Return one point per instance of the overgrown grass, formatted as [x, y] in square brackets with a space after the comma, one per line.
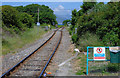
[103, 69]
[89, 39]
[97, 68]
[11, 43]
[82, 64]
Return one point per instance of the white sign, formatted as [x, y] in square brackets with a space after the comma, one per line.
[38, 24]
[99, 53]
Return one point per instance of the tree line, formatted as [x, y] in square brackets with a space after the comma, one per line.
[100, 19]
[20, 18]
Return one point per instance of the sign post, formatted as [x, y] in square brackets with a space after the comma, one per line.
[38, 24]
[98, 55]
[75, 30]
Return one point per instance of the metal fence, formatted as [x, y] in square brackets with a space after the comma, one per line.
[101, 68]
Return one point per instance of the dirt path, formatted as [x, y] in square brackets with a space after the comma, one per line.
[63, 53]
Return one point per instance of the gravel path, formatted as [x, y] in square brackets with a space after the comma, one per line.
[12, 59]
[63, 53]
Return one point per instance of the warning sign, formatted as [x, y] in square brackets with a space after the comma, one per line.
[99, 53]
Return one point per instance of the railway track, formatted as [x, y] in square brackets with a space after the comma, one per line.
[35, 64]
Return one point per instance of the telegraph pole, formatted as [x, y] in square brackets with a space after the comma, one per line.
[38, 14]
[38, 24]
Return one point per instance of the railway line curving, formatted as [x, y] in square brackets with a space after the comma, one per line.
[35, 64]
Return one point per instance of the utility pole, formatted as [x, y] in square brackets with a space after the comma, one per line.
[38, 14]
[38, 24]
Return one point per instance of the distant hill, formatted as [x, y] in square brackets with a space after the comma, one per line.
[61, 18]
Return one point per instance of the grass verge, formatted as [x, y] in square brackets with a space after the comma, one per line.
[95, 68]
[11, 43]
[88, 39]
[82, 64]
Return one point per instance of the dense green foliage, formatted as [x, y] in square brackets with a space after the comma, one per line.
[97, 24]
[46, 15]
[20, 18]
[65, 22]
[113, 67]
[74, 17]
[27, 20]
[11, 18]
[87, 5]
[102, 19]
[18, 24]
[15, 20]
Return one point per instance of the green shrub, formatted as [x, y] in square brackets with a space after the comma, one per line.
[27, 20]
[74, 38]
[89, 39]
[10, 17]
[103, 21]
[65, 22]
[80, 72]
[111, 39]
[70, 32]
[113, 67]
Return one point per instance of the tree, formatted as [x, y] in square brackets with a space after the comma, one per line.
[46, 15]
[87, 5]
[103, 21]
[10, 17]
[79, 13]
[74, 17]
[20, 8]
[65, 22]
[15, 20]
[27, 20]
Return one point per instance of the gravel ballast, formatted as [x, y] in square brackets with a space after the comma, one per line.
[11, 59]
[62, 54]
[34, 65]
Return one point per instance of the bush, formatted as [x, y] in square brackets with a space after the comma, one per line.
[74, 38]
[70, 32]
[27, 20]
[15, 21]
[113, 67]
[111, 39]
[104, 21]
[10, 17]
[89, 39]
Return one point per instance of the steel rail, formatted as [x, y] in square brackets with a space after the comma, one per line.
[7, 73]
[40, 76]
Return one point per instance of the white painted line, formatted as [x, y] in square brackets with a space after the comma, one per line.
[68, 60]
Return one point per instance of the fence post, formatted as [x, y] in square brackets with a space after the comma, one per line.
[87, 62]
